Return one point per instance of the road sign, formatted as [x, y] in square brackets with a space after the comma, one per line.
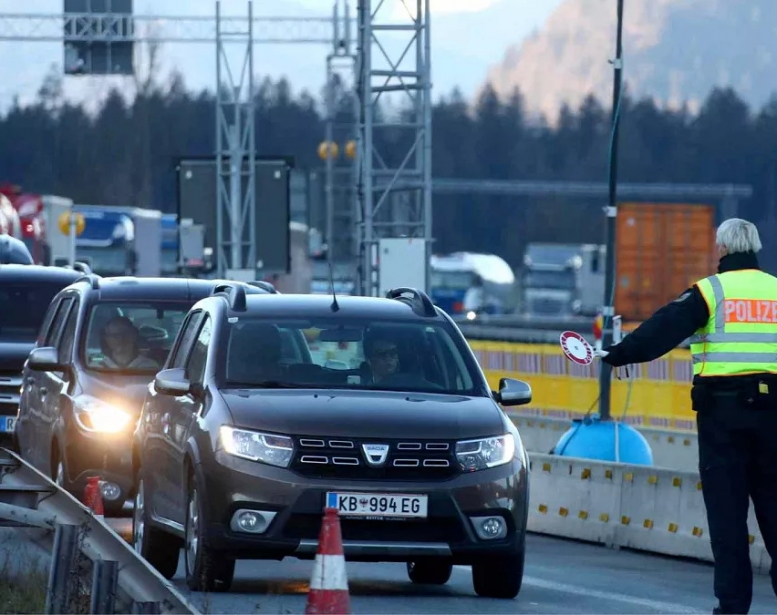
[64, 223]
[576, 348]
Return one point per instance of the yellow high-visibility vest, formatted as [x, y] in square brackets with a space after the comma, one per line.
[740, 336]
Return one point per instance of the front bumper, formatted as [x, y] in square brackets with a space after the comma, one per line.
[106, 456]
[294, 505]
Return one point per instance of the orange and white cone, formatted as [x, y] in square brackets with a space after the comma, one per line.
[93, 497]
[329, 584]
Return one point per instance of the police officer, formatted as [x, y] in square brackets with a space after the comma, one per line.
[731, 320]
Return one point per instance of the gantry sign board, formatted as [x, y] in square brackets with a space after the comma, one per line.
[197, 200]
[90, 26]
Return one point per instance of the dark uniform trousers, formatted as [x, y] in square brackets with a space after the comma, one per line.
[737, 433]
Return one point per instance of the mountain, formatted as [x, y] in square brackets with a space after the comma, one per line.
[675, 51]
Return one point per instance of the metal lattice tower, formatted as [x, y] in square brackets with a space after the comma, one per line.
[235, 148]
[395, 194]
[234, 124]
[340, 141]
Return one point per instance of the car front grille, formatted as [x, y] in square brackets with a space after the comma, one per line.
[420, 460]
[10, 388]
[443, 529]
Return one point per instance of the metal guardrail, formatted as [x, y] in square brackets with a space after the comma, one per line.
[28, 498]
[522, 330]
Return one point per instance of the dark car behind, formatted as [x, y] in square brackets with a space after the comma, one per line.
[25, 294]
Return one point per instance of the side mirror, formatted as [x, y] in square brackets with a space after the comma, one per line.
[45, 359]
[513, 392]
[172, 382]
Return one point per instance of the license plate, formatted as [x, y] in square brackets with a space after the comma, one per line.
[378, 505]
[7, 424]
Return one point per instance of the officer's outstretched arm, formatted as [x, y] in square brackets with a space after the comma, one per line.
[662, 332]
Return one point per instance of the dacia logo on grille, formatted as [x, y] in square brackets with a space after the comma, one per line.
[376, 454]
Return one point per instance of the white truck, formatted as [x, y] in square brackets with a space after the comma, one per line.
[562, 280]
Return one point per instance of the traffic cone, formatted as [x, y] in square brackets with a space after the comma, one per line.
[329, 584]
[93, 497]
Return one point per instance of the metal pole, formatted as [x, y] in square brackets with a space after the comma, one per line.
[605, 376]
[235, 178]
[104, 584]
[426, 112]
[218, 253]
[253, 249]
[368, 233]
[329, 160]
[63, 562]
[72, 223]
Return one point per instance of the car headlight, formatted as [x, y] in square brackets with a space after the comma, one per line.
[267, 448]
[93, 414]
[485, 453]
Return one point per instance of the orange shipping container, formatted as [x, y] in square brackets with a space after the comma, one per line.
[661, 249]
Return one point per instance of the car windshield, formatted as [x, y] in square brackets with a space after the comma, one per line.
[558, 280]
[460, 280]
[366, 355]
[23, 306]
[131, 337]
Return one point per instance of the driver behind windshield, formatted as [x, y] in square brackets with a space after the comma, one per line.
[381, 353]
[120, 345]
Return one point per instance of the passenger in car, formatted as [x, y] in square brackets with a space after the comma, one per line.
[120, 345]
[255, 353]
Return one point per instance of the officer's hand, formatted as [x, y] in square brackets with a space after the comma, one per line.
[600, 354]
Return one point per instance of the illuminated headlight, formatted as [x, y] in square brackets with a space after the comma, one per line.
[471, 315]
[485, 453]
[93, 414]
[267, 448]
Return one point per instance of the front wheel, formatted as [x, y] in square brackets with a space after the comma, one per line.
[499, 576]
[206, 570]
[158, 548]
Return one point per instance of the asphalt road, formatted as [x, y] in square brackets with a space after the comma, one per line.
[561, 577]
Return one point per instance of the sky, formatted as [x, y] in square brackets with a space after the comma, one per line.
[467, 37]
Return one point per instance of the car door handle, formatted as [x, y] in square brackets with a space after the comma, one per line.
[43, 391]
[30, 380]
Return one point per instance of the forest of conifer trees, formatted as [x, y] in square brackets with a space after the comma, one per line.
[125, 153]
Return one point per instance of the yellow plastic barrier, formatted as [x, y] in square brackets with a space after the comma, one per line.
[660, 393]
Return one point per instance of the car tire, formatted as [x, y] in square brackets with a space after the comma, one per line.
[158, 548]
[430, 571]
[206, 570]
[499, 576]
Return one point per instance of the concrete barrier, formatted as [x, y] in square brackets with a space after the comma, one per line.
[673, 449]
[657, 510]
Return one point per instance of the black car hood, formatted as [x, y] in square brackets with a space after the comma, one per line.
[13, 355]
[361, 414]
[125, 391]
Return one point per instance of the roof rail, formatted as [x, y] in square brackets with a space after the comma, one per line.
[82, 267]
[93, 279]
[421, 303]
[267, 286]
[234, 292]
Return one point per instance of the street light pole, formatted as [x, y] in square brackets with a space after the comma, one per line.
[605, 376]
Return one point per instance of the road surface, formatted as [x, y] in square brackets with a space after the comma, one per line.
[561, 577]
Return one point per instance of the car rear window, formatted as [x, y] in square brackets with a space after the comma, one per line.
[23, 306]
[368, 355]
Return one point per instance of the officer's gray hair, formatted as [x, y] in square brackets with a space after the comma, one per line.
[737, 235]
